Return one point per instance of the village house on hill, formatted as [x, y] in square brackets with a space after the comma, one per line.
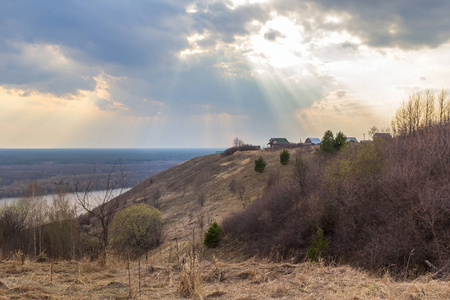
[277, 142]
[352, 140]
[312, 141]
[382, 135]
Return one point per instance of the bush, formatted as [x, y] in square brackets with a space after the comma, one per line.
[136, 230]
[212, 236]
[301, 171]
[244, 147]
[260, 164]
[318, 248]
[390, 196]
[284, 157]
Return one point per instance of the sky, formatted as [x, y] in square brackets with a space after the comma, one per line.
[177, 74]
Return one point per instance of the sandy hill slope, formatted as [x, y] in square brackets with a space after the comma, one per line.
[209, 176]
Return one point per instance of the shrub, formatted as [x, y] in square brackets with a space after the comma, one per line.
[244, 147]
[212, 236]
[260, 164]
[284, 157]
[301, 171]
[136, 230]
[390, 196]
[318, 248]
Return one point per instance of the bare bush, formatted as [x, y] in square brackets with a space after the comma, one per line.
[99, 208]
[243, 147]
[382, 204]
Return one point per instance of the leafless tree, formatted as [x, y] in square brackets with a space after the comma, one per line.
[239, 189]
[429, 108]
[37, 217]
[63, 223]
[98, 207]
[155, 198]
[443, 107]
[372, 131]
[238, 142]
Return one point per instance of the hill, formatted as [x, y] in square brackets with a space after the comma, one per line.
[197, 192]
[382, 204]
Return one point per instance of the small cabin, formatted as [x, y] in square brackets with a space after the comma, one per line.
[312, 141]
[278, 142]
[382, 135]
[352, 140]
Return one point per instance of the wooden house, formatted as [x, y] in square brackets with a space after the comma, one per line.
[312, 141]
[277, 142]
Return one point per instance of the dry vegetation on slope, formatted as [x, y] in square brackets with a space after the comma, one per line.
[246, 280]
[208, 178]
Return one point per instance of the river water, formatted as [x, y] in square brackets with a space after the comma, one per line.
[94, 198]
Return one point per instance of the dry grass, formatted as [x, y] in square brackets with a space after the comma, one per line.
[209, 175]
[214, 280]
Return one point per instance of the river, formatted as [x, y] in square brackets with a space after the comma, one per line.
[95, 197]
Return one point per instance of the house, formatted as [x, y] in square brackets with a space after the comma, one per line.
[312, 141]
[277, 141]
[352, 140]
[382, 135]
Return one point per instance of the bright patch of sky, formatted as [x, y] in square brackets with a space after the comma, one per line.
[199, 73]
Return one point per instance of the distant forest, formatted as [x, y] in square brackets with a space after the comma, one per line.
[52, 167]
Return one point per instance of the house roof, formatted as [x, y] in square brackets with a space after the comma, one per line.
[314, 141]
[383, 135]
[352, 139]
[279, 141]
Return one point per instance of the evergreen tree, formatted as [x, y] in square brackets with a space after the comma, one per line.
[318, 248]
[327, 144]
[212, 236]
[339, 141]
[260, 164]
[284, 157]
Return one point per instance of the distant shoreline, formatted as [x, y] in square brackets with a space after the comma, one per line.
[52, 167]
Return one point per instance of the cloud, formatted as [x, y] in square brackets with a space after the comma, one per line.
[338, 112]
[406, 24]
[272, 35]
[171, 60]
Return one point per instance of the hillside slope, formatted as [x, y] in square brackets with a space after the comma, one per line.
[210, 176]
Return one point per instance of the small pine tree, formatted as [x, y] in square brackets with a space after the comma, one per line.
[318, 248]
[260, 164]
[327, 144]
[331, 144]
[284, 157]
[340, 141]
[212, 236]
